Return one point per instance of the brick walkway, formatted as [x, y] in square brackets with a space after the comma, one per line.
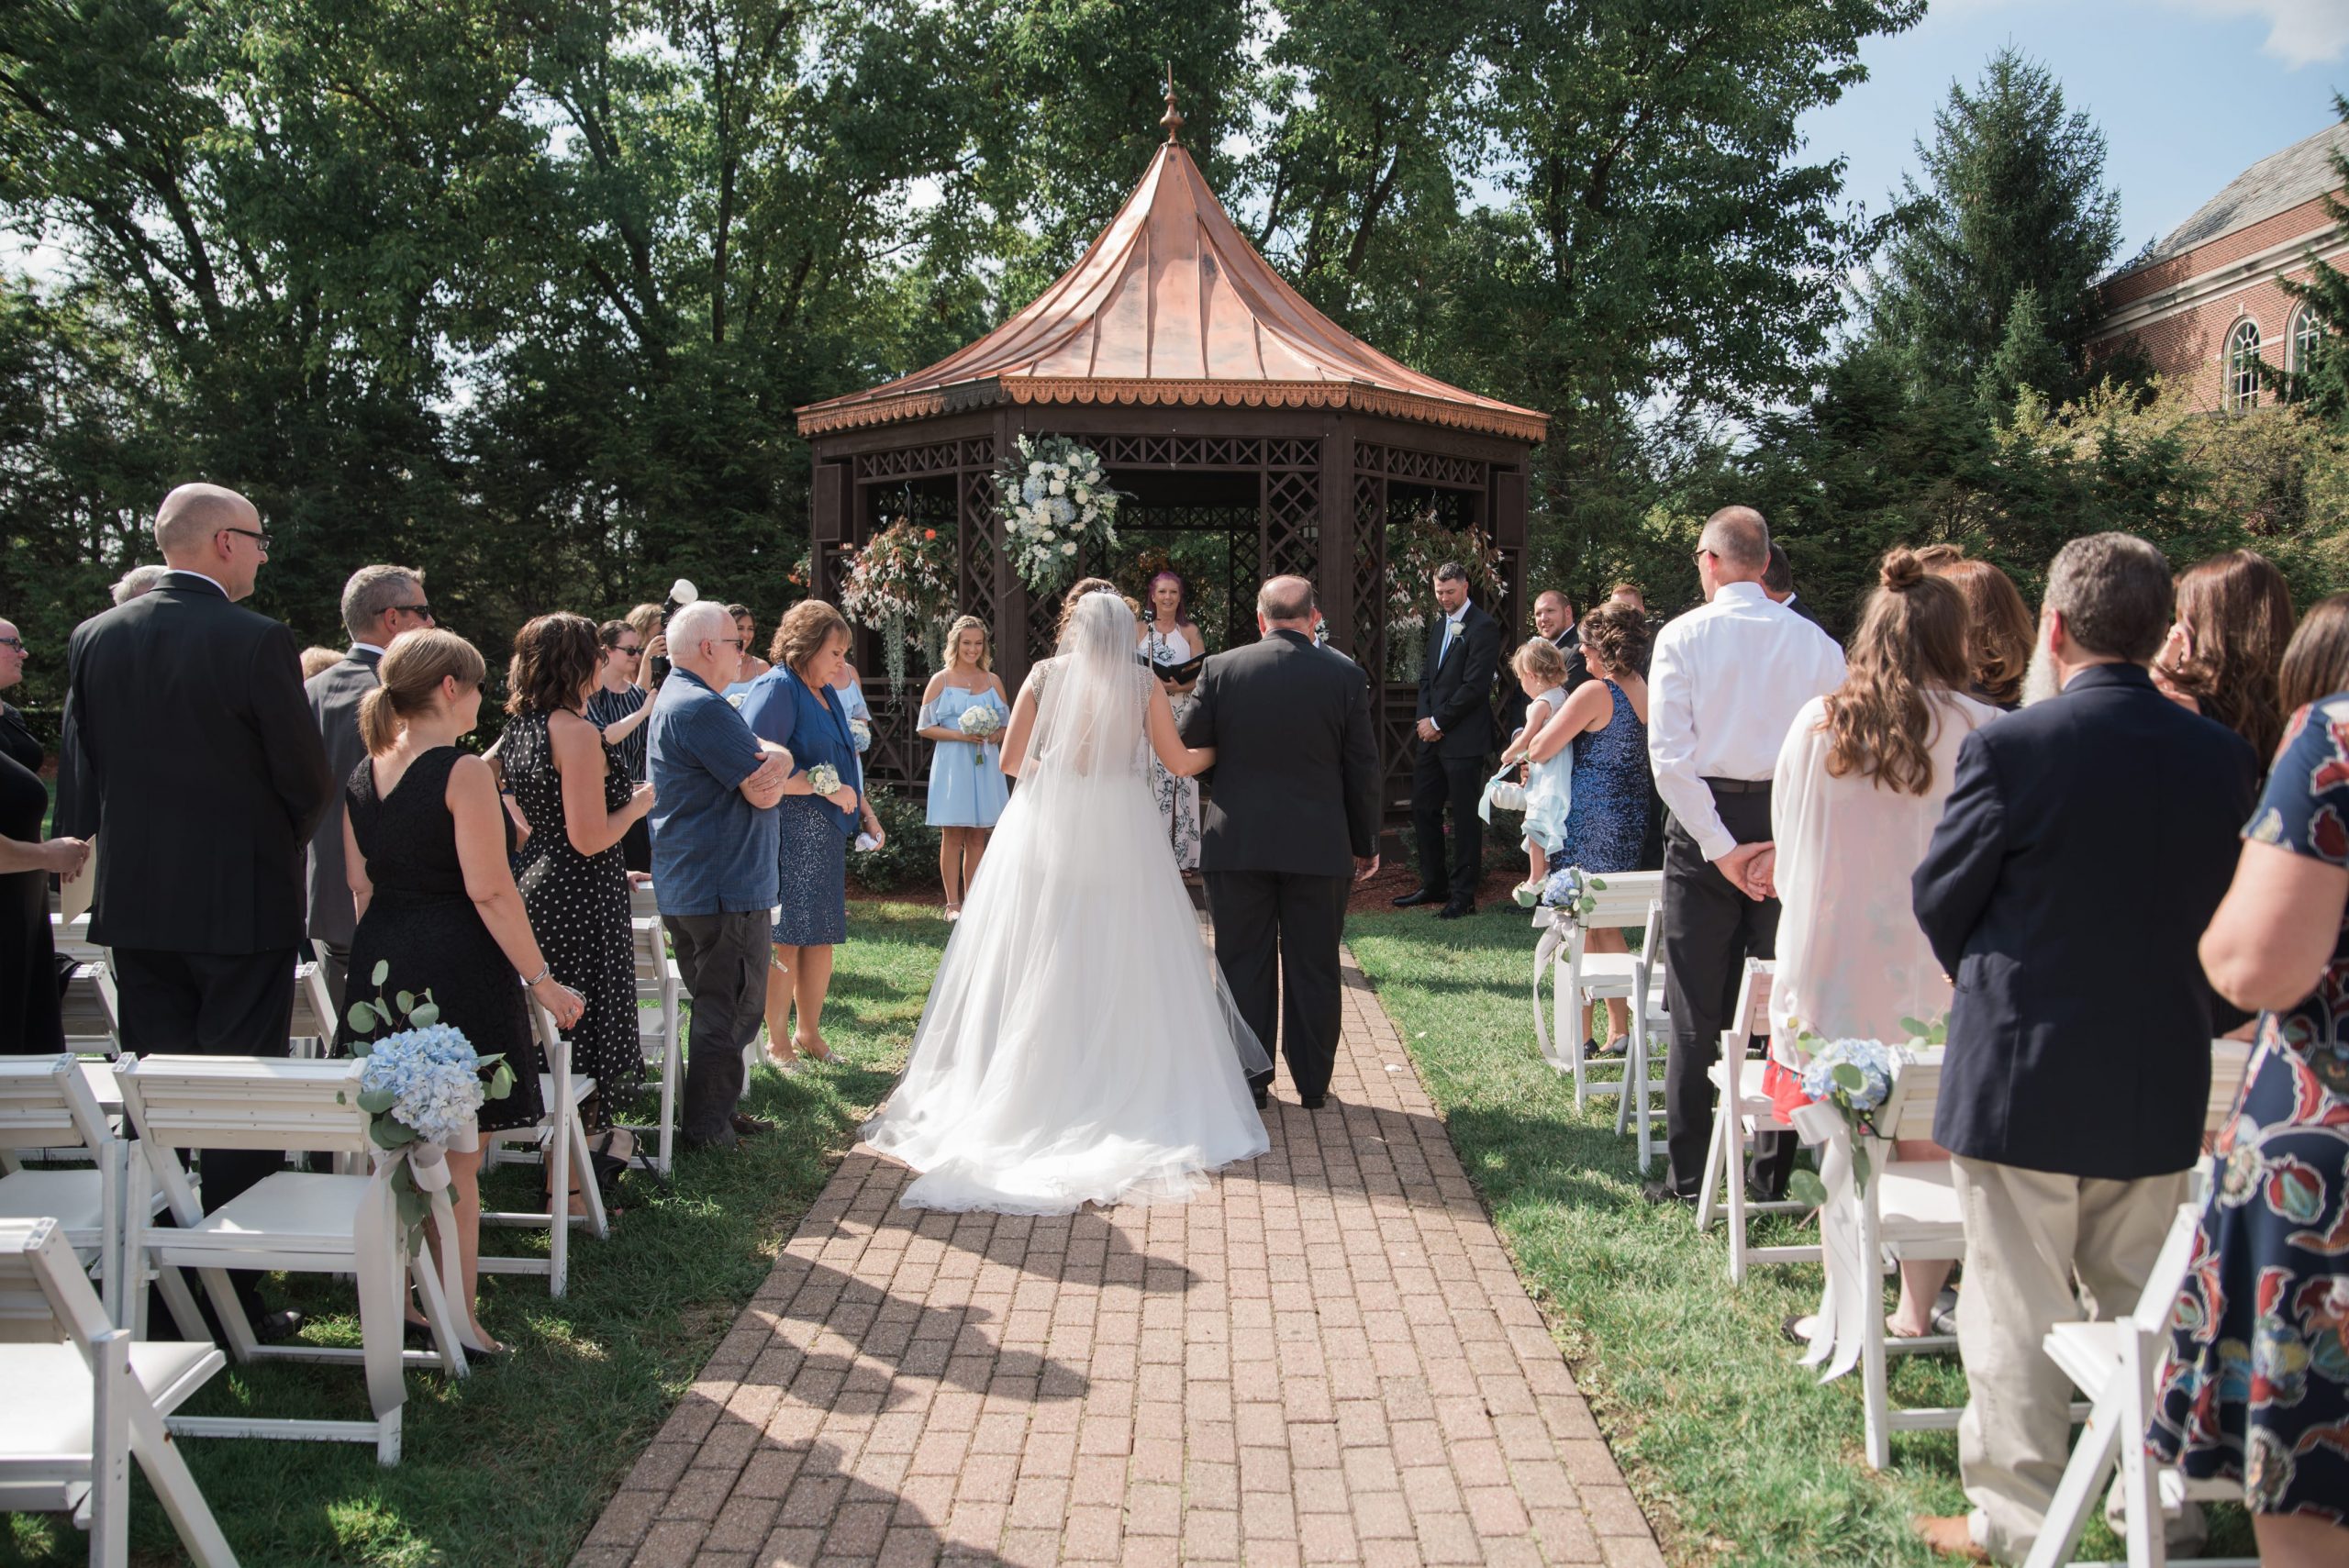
[1326, 1358]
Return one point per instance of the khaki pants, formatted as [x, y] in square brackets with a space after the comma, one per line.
[2030, 1235]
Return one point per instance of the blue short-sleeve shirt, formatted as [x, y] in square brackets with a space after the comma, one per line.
[712, 851]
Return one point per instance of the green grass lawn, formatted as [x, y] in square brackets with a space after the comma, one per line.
[513, 1464]
[1738, 1454]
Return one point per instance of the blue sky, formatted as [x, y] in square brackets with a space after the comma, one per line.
[2187, 92]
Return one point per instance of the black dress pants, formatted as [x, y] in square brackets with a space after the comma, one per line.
[203, 1003]
[722, 958]
[1277, 938]
[1438, 781]
[1711, 928]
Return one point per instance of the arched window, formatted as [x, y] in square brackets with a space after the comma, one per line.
[2242, 365]
[2307, 340]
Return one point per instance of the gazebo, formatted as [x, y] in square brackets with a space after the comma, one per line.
[1241, 421]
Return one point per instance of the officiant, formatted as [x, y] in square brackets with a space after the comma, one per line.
[1172, 641]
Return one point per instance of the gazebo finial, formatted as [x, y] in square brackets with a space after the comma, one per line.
[1173, 119]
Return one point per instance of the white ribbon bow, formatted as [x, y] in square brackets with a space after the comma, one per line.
[1852, 1278]
[379, 1235]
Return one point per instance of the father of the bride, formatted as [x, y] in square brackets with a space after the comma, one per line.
[1292, 819]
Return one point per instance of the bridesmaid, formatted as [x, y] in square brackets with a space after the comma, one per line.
[1170, 637]
[424, 848]
[966, 789]
[851, 687]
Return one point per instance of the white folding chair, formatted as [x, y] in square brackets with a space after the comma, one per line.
[1743, 1114]
[84, 1400]
[1579, 977]
[660, 1028]
[1651, 1022]
[560, 1140]
[46, 1108]
[2115, 1362]
[296, 1221]
[315, 1024]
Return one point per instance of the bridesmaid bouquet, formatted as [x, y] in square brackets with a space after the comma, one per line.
[982, 723]
[860, 732]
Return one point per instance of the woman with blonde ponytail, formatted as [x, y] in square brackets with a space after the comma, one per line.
[424, 846]
[1861, 781]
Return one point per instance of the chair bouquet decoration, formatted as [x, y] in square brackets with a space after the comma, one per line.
[422, 1089]
[1569, 893]
[902, 585]
[1054, 499]
[1848, 1083]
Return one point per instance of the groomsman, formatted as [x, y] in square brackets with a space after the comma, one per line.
[1455, 738]
[1724, 683]
[1554, 618]
[378, 604]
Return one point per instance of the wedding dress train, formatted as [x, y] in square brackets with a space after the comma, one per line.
[1077, 1046]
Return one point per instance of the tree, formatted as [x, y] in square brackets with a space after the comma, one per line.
[2323, 382]
[1989, 281]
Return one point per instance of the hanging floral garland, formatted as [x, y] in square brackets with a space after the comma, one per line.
[902, 584]
[1054, 499]
[1416, 545]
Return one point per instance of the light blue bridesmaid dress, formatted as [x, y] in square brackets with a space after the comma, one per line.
[966, 787]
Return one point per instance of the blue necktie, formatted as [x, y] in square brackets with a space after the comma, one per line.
[1445, 651]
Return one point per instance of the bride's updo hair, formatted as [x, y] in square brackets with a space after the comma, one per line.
[1910, 644]
[1075, 595]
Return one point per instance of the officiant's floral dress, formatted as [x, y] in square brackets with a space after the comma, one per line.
[2256, 1387]
[1178, 798]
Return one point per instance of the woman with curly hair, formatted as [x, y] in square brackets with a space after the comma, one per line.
[575, 794]
[1859, 787]
[1605, 720]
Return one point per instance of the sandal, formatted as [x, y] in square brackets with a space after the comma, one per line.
[819, 1051]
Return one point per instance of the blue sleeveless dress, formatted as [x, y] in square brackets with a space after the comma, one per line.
[1608, 818]
[966, 787]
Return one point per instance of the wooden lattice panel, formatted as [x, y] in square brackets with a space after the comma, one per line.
[1182, 451]
[981, 533]
[905, 463]
[1370, 572]
[1292, 520]
[1428, 468]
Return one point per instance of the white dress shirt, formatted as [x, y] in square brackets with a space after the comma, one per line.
[1450, 635]
[1724, 683]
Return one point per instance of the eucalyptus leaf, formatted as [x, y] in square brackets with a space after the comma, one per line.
[1913, 1027]
[361, 1018]
[389, 1134]
[382, 971]
[1848, 1078]
[405, 1001]
[1804, 1187]
[1860, 1165]
[360, 1045]
[375, 1102]
[426, 1014]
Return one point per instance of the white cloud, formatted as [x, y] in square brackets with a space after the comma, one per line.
[2299, 33]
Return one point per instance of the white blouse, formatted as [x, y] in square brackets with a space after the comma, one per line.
[1852, 960]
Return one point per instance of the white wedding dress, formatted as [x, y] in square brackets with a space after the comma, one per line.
[1079, 1045]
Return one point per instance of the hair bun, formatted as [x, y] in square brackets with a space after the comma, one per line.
[1901, 570]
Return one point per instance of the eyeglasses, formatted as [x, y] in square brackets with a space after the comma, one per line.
[259, 535]
[630, 649]
[422, 612]
[726, 642]
[15, 642]
[1701, 552]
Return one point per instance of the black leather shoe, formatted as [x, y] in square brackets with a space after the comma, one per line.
[1665, 1192]
[1416, 898]
[1759, 1192]
[276, 1327]
[1263, 1098]
[1455, 911]
[1313, 1102]
[751, 1126]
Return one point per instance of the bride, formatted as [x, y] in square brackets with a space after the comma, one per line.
[1077, 1046]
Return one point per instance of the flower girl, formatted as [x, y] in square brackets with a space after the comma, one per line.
[1541, 668]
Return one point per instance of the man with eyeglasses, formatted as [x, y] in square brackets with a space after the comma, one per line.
[203, 776]
[378, 604]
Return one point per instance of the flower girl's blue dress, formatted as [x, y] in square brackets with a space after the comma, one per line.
[1549, 788]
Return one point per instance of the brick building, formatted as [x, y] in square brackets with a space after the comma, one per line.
[2207, 300]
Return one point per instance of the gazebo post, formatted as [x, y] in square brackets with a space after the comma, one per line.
[1334, 566]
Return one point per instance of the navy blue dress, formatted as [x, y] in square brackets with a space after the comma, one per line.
[812, 859]
[1607, 820]
[2256, 1387]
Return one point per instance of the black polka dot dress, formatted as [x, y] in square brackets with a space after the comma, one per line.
[579, 910]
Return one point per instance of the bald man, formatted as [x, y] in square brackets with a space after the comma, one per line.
[203, 775]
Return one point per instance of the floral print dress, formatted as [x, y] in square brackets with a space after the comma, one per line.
[1178, 798]
[2255, 1387]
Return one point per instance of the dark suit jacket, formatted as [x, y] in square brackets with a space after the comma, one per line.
[1458, 693]
[335, 693]
[2086, 844]
[1510, 716]
[1801, 606]
[186, 717]
[1296, 779]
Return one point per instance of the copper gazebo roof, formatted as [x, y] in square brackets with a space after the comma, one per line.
[1171, 304]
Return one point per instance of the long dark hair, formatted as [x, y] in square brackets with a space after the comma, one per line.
[1912, 639]
[2316, 664]
[2238, 612]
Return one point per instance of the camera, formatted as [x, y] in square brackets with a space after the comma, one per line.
[681, 594]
